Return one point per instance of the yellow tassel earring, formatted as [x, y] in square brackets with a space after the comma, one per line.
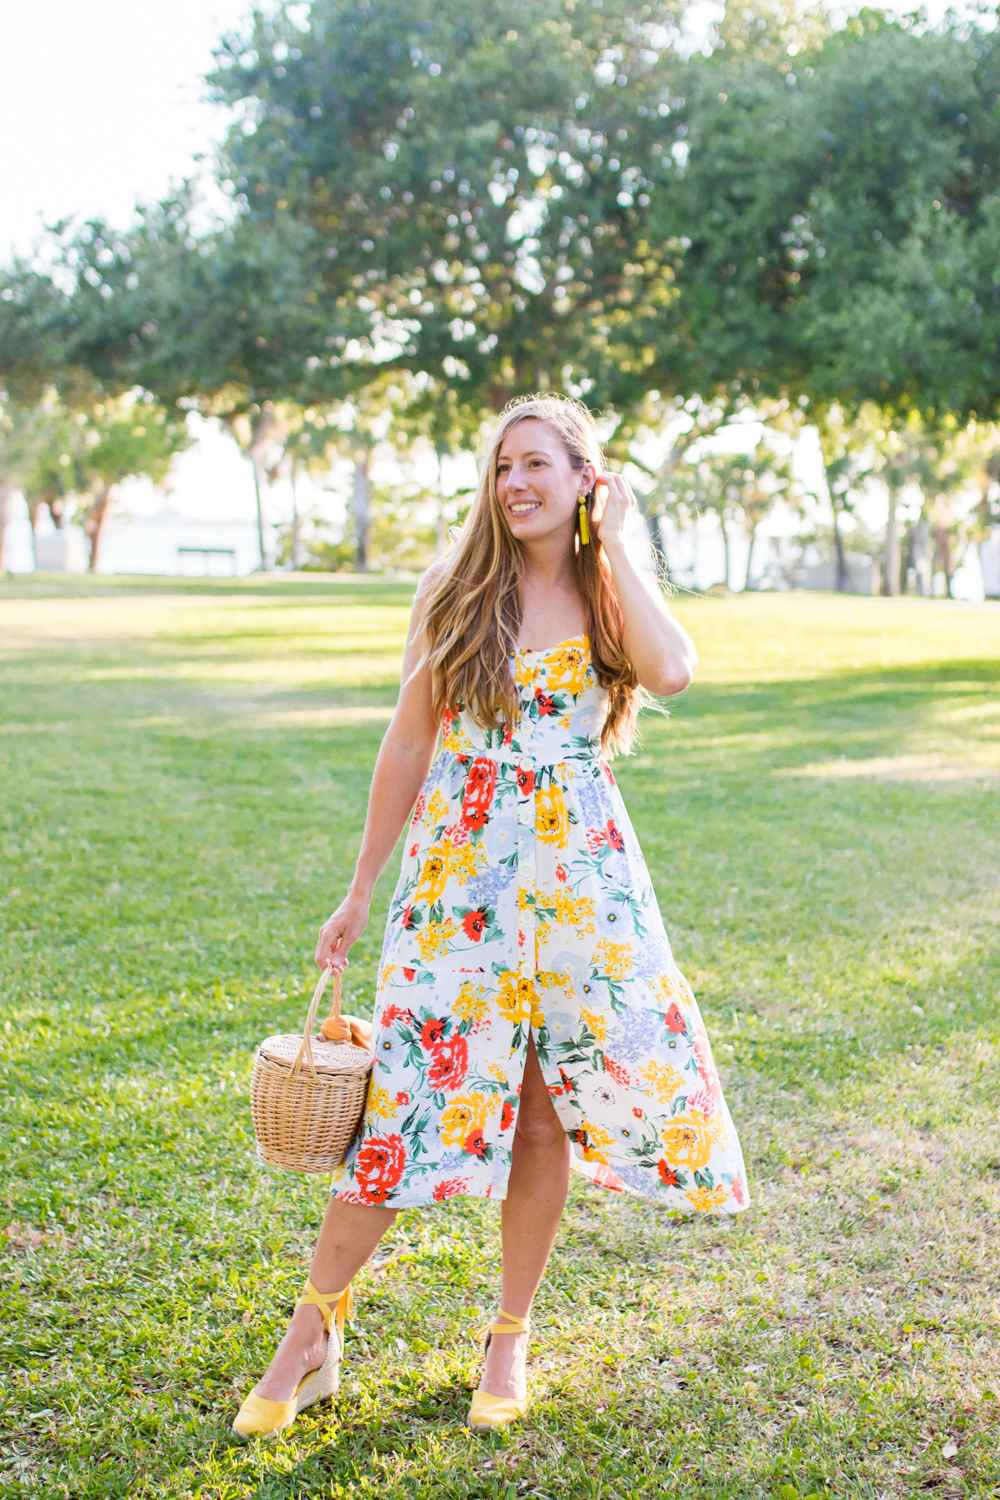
[584, 528]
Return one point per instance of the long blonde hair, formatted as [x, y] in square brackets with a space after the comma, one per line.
[473, 611]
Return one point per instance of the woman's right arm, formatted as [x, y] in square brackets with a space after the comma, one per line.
[400, 771]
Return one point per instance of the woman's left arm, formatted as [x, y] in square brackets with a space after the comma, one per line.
[659, 648]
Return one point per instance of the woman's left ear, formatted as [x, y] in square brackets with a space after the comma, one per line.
[588, 478]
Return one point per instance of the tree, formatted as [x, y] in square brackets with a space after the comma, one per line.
[546, 193]
[834, 215]
[463, 170]
[127, 438]
[952, 482]
[849, 447]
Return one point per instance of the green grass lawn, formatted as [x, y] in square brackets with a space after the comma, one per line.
[184, 772]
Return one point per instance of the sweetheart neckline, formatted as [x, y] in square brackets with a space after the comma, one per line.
[548, 650]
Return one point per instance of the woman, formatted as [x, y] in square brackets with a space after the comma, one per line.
[529, 1017]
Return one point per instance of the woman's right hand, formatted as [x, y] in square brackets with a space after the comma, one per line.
[340, 932]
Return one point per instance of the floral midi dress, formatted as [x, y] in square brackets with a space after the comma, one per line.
[524, 908]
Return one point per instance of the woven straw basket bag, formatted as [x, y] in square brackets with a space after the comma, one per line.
[307, 1094]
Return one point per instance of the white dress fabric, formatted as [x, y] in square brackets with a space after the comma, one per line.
[524, 907]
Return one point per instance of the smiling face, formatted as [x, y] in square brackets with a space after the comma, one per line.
[537, 486]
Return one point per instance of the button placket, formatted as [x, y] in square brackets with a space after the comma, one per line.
[526, 864]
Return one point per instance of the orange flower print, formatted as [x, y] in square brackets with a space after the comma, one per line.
[379, 1166]
[450, 1188]
[474, 924]
[475, 1144]
[618, 1073]
[431, 1033]
[478, 796]
[449, 1064]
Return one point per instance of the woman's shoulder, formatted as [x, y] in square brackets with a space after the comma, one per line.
[434, 575]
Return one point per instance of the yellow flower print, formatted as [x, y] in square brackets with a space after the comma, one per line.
[471, 1003]
[615, 959]
[670, 987]
[551, 818]
[495, 1070]
[434, 938]
[465, 1114]
[517, 999]
[437, 810]
[662, 1081]
[433, 875]
[455, 737]
[525, 671]
[568, 668]
[568, 910]
[706, 1200]
[598, 1141]
[464, 862]
[575, 911]
[689, 1138]
[550, 980]
[597, 1024]
[386, 974]
[381, 1103]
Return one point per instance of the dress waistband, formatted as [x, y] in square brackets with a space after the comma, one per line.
[524, 759]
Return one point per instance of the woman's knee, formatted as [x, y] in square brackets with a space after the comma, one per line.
[538, 1124]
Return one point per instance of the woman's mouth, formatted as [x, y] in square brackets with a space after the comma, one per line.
[522, 507]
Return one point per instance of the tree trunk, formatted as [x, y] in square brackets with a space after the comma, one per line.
[257, 466]
[751, 538]
[7, 490]
[920, 558]
[652, 520]
[263, 427]
[942, 546]
[838, 542]
[296, 548]
[34, 511]
[890, 557]
[725, 548]
[93, 525]
[361, 506]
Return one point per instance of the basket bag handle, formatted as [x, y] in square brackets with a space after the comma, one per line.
[305, 1052]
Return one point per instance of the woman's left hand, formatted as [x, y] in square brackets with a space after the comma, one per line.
[611, 521]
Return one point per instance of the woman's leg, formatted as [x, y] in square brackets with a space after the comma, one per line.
[349, 1234]
[536, 1192]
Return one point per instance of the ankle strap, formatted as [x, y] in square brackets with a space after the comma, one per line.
[330, 1304]
[510, 1325]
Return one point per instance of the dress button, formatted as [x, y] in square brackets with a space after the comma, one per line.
[525, 763]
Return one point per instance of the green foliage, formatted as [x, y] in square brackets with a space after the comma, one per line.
[128, 437]
[182, 795]
[458, 205]
[550, 194]
[450, 160]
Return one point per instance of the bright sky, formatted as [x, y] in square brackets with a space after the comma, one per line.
[101, 104]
